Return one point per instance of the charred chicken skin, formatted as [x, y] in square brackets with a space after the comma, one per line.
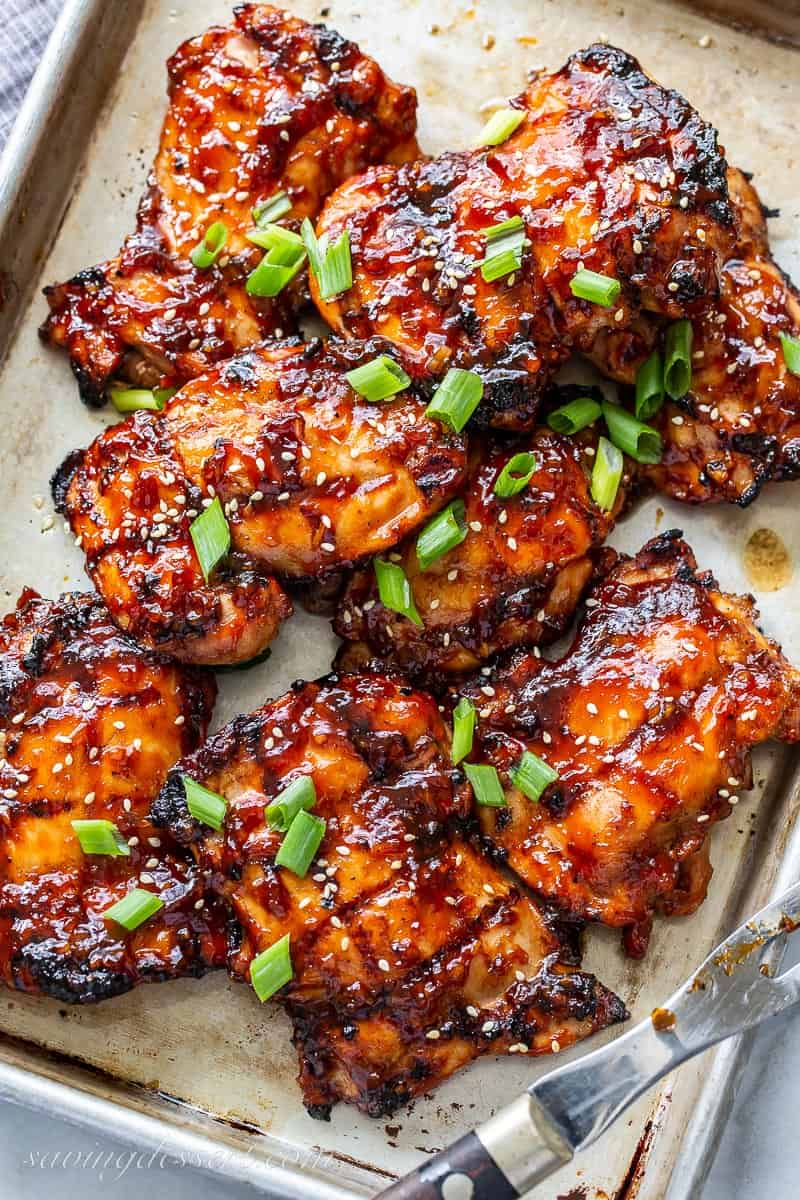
[89, 725]
[649, 720]
[515, 580]
[264, 105]
[607, 170]
[412, 954]
[310, 475]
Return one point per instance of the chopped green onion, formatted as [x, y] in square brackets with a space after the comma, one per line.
[500, 126]
[532, 775]
[639, 441]
[505, 244]
[650, 387]
[285, 256]
[599, 289]
[207, 251]
[100, 837]
[274, 237]
[791, 352]
[273, 209]
[271, 969]
[575, 416]
[301, 843]
[332, 265]
[446, 531]
[211, 535]
[127, 400]
[515, 475]
[298, 795]
[378, 379]
[456, 398]
[678, 359]
[134, 909]
[205, 806]
[500, 265]
[486, 785]
[395, 590]
[606, 474]
[464, 720]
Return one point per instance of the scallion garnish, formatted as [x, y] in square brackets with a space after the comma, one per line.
[273, 209]
[456, 398]
[678, 359]
[486, 786]
[211, 535]
[791, 352]
[271, 969]
[207, 807]
[207, 251]
[464, 720]
[505, 244]
[515, 475]
[599, 289]
[100, 837]
[576, 415]
[378, 379]
[633, 438]
[606, 474]
[270, 236]
[301, 843]
[128, 400]
[650, 387]
[395, 590]
[331, 264]
[134, 909]
[532, 775]
[443, 533]
[500, 126]
[297, 796]
[285, 255]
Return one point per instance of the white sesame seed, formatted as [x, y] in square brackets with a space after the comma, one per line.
[383, 965]
[433, 1035]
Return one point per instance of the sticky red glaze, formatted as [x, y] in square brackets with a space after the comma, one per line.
[267, 104]
[90, 724]
[400, 928]
[607, 170]
[649, 720]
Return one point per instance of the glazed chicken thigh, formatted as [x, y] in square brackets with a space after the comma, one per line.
[265, 105]
[411, 953]
[89, 726]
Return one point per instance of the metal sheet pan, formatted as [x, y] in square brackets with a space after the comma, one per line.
[197, 1070]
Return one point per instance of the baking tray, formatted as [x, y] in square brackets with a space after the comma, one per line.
[198, 1071]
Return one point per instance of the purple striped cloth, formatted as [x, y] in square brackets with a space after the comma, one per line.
[25, 26]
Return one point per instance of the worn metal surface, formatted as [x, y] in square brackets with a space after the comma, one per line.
[209, 1043]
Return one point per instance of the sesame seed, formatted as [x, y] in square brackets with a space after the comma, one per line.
[592, 708]
[344, 943]
[702, 817]
[471, 1010]
[433, 1035]
[487, 887]
[383, 965]
[181, 720]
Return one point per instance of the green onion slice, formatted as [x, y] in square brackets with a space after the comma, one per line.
[650, 387]
[532, 775]
[456, 398]
[505, 244]
[378, 379]
[127, 400]
[100, 837]
[791, 352]
[297, 796]
[274, 237]
[599, 289]
[134, 909]
[273, 209]
[465, 719]
[500, 265]
[271, 969]
[207, 251]
[606, 474]
[205, 806]
[634, 438]
[500, 126]
[211, 535]
[395, 590]
[486, 785]
[575, 416]
[285, 255]
[446, 531]
[301, 843]
[678, 359]
[331, 264]
[515, 475]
